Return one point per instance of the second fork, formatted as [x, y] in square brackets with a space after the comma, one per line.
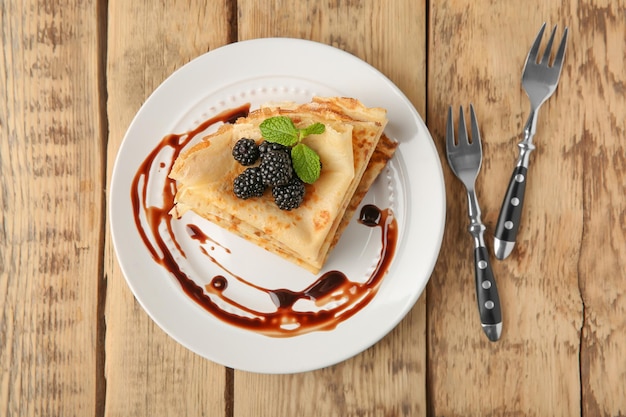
[539, 80]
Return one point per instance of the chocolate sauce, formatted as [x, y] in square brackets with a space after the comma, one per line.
[327, 284]
[196, 234]
[340, 297]
[370, 215]
[219, 283]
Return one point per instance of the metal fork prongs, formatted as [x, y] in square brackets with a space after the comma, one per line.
[465, 159]
[539, 78]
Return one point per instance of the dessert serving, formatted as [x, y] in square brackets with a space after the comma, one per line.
[260, 265]
[288, 176]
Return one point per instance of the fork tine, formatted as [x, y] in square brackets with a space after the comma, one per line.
[449, 130]
[546, 54]
[534, 50]
[560, 53]
[463, 139]
[475, 131]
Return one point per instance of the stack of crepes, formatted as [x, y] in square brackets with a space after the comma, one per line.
[353, 151]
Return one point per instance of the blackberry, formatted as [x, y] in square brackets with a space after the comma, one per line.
[246, 151]
[289, 196]
[249, 184]
[276, 168]
[266, 147]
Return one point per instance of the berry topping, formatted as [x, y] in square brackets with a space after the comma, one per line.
[249, 184]
[276, 168]
[246, 151]
[280, 162]
[289, 196]
[266, 146]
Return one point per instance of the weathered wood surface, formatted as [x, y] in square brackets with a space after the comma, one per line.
[563, 287]
[147, 372]
[52, 201]
[73, 340]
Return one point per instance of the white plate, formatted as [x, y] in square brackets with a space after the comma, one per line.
[276, 69]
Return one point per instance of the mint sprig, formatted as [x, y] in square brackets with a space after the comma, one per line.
[306, 162]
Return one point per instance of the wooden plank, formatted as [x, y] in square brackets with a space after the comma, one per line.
[601, 75]
[477, 55]
[389, 378]
[51, 167]
[148, 373]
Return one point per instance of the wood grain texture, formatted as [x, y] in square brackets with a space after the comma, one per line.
[147, 372]
[389, 378]
[51, 196]
[600, 72]
[477, 55]
[74, 342]
[391, 37]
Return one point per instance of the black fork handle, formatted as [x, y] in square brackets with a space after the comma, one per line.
[487, 295]
[511, 213]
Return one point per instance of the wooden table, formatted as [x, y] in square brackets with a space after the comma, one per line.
[73, 340]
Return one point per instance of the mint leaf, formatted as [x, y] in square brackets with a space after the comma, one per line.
[306, 163]
[314, 129]
[280, 129]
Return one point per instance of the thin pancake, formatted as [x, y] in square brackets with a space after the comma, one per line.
[382, 154]
[304, 236]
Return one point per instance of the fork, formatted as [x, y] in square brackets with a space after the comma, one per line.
[465, 159]
[539, 80]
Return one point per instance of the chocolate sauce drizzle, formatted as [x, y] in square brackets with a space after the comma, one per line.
[337, 296]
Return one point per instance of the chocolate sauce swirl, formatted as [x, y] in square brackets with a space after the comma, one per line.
[340, 297]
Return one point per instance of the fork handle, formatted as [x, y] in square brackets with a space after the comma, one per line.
[486, 289]
[510, 213]
[487, 295]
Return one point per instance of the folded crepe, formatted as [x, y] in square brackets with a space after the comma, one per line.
[305, 235]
